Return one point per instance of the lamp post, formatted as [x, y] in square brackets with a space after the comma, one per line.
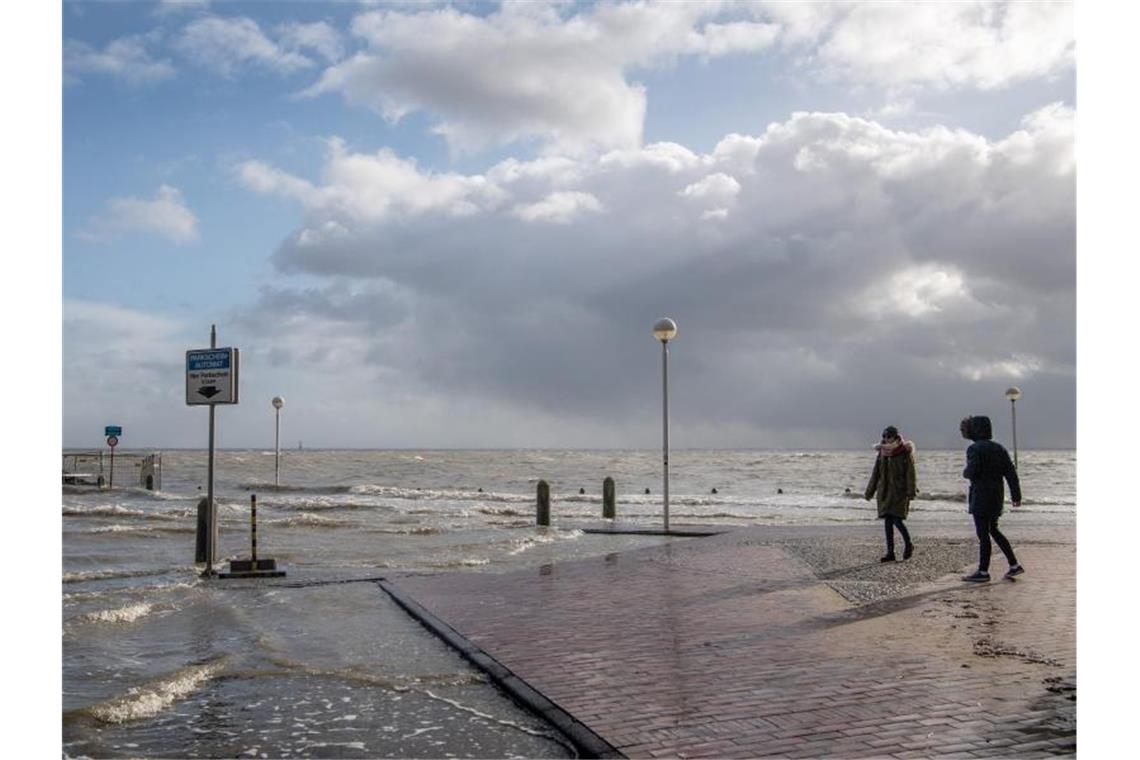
[1013, 393]
[665, 330]
[278, 402]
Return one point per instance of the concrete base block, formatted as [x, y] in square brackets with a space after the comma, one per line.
[248, 568]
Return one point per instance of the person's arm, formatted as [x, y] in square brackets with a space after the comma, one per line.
[911, 478]
[972, 464]
[1012, 479]
[874, 481]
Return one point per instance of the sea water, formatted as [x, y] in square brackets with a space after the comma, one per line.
[158, 662]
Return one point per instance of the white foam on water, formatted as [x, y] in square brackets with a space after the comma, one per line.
[466, 562]
[149, 700]
[102, 510]
[349, 745]
[81, 576]
[529, 542]
[492, 718]
[128, 614]
[312, 520]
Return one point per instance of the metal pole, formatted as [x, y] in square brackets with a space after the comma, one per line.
[211, 510]
[276, 448]
[1013, 411]
[111, 482]
[665, 422]
[253, 529]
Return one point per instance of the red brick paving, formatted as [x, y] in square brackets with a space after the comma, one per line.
[731, 647]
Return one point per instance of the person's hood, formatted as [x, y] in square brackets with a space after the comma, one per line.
[979, 428]
[903, 446]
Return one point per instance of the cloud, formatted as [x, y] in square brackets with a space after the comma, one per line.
[373, 188]
[126, 58]
[560, 76]
[166, 215]
[717, 188]
[227, 45]
[170, 7]
[107, 348]
[946, 45]
[526, 73]
[858, 264]
[319, 37]
[560, 207]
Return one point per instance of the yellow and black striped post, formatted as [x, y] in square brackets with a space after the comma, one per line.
[253, 567]
[253, 528]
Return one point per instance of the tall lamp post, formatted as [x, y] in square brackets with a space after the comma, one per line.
[278, 402]
[1013, 393]
[665, 330]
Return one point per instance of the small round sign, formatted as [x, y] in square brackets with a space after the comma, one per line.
[112, 441]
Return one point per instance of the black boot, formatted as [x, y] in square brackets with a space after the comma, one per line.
[888, 557]
[908, 550]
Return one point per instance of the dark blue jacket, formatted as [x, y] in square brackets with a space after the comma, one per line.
[987, 464]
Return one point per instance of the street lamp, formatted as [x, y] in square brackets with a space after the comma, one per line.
[1013, 393]
[665, 330]
[278, 402]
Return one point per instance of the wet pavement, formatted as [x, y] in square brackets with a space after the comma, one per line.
[789, 642]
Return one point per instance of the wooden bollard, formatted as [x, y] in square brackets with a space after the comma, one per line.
[608, 509]
[202, 537]
[543, 516]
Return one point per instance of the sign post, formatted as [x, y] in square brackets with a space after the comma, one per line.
[211, 379]
[112, 432]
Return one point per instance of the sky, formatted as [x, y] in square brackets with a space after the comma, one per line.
[454, 225]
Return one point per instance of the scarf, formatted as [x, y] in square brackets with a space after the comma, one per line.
[898, 446]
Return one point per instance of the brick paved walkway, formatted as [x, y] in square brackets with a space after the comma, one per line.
[731, 646]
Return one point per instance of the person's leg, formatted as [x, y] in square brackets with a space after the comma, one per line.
[982, 527]
[889, 527]
[908, 547]
[1002, 542]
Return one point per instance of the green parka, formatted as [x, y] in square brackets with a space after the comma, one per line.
[893, 482]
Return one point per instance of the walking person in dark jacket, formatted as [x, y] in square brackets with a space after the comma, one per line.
[987, 464]
[892, 484]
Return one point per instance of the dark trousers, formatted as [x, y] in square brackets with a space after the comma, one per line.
[986, 526]
[890, 522]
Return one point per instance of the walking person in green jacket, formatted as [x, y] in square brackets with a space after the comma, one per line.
[893, 486]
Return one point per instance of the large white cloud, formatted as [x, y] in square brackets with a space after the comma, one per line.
[852, 266]
[526, 72]
[984, 45]
[562, 76]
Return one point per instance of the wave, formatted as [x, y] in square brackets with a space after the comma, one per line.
[117, 510]
[328, 506]
[529, 542]
[150, 699]
[962, 497]
[957, 496]
[128, 614]
[83, 576]
[501, 511]
[310, 520]
[450, 563]
[440, 494]
[416, 531]
[79, 596]
[259, 487]
[144, 530]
